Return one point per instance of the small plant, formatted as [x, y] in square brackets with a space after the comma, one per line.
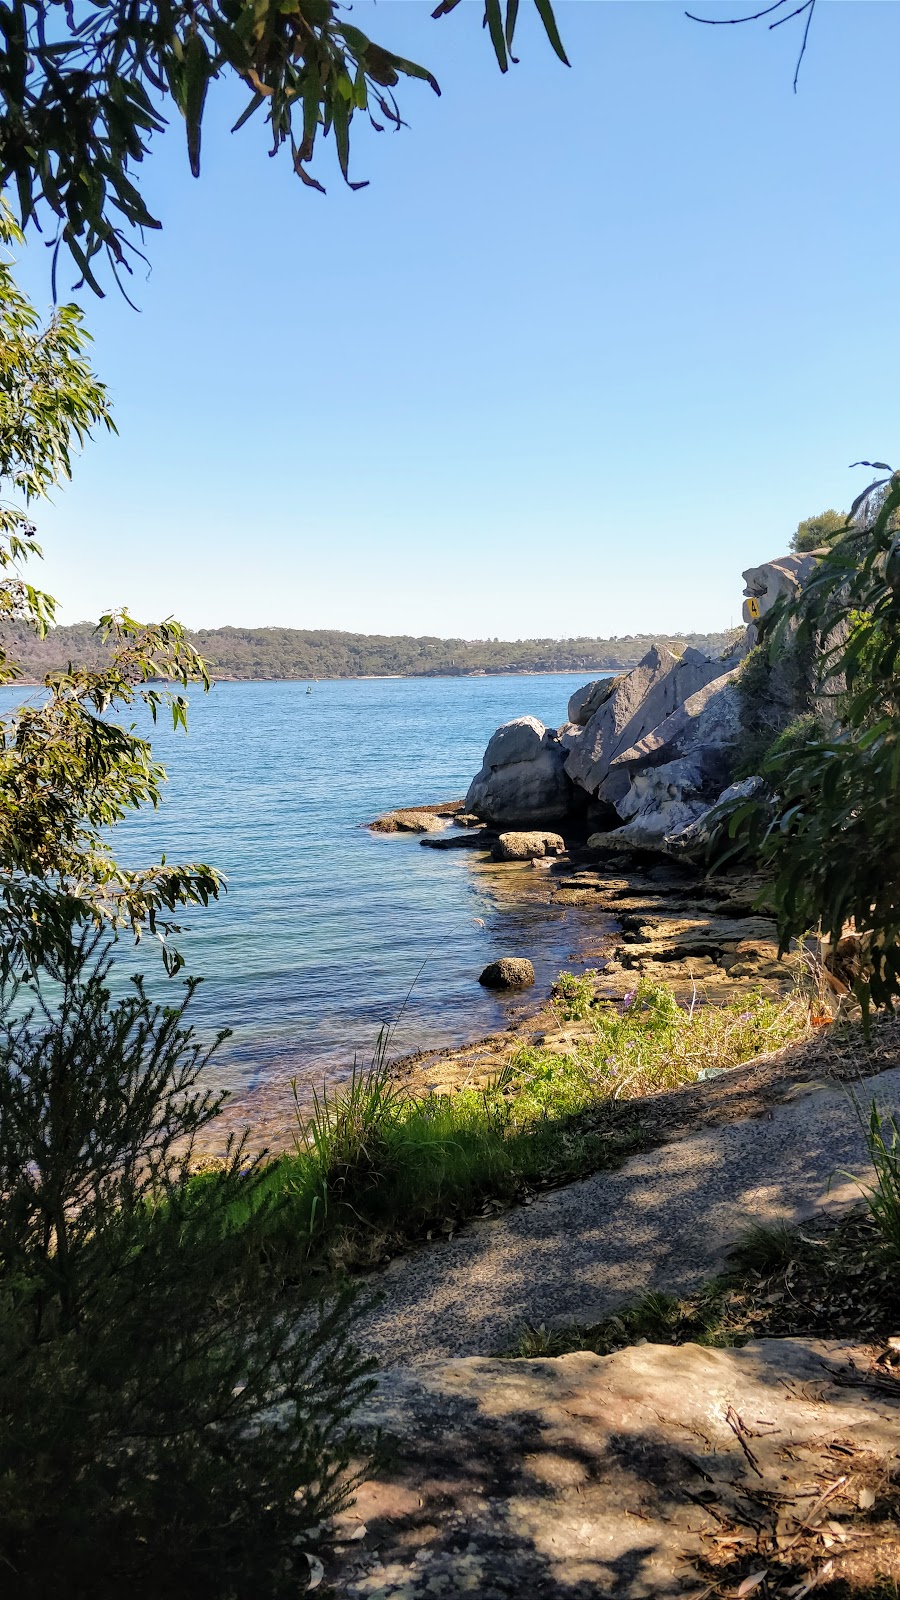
[883, 1140]
[767, 1248]
[574, 997]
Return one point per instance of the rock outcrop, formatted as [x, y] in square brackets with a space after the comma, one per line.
[510, 972]
[643, 756]
[528, 846]
[522, 778]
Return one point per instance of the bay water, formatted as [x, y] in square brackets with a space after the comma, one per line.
[328, 932]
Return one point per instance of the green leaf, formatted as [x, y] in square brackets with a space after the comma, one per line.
[494, 20]
[545, 12]
[197, 73]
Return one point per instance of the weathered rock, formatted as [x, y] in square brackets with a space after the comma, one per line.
[386, 824]
[466, 819]
[526, 846]
[568, 734]
[522, 778]
[707, 720]
[419, 822]
[695, 836]
[766, 584]
[589, 1476]
[648, 831]
[476, 839]
[510, 972]
[639, 701]
[519, 740]
[585, 701]
[416, 819]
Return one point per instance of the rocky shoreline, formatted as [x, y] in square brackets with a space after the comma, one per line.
[610, 812]
[671, 924]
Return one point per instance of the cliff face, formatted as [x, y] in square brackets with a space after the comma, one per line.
[642, 756]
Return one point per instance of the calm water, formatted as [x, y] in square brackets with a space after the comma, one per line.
[326, 927]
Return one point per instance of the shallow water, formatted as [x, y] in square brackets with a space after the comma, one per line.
[326, 928]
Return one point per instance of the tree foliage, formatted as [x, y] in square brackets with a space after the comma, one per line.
[827, 825]
[67, 770]
[83, 91]
[276, 653]
[165, 1425]
[814, 532]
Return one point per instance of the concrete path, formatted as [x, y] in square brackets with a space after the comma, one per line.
[665, 1221]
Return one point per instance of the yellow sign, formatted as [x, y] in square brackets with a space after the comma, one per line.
[753, 607]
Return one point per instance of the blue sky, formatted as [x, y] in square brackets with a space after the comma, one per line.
[591, 341]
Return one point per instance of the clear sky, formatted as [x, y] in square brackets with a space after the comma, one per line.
[590, 343]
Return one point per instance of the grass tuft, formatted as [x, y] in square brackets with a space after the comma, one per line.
[375, 1167]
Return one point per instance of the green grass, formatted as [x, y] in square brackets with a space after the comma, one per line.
[375, 1167]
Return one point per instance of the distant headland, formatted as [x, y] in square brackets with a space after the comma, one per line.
[247, 654]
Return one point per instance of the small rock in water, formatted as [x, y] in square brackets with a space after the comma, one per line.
[510, 972]
[528, 846]
[419, 822]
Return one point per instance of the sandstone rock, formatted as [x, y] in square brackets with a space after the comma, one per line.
[510, 972]
[522, 778]
[708, 719]
[568, 734]
[648, 831]
[695, 836]
[585, 701]
[638, 702]
[599, 1476]
[386, 824]
[419, 822]
[476, 839]
[525, 846]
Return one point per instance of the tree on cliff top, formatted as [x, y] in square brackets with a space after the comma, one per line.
[817, 531]
[82, 92]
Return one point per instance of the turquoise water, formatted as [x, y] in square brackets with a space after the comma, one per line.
[326, 927]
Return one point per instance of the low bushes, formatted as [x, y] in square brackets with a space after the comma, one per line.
[165, 1427]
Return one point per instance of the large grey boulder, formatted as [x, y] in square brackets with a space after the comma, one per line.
[589, 698]
[639, 701]
[519, 740]
[522, 778]
[693, 839]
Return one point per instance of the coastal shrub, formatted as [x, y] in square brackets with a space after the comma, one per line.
[825, 829]
[774, 685]
[574, 996]
[165, 1424]
[656, 1043]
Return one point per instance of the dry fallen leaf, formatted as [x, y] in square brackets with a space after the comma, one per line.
[865, 1499]
[751, 1583]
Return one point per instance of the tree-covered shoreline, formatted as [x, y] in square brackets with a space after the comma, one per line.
[267, 654]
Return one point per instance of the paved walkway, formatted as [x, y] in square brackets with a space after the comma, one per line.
[665, 1220]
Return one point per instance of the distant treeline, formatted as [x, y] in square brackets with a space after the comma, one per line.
[259, 653]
